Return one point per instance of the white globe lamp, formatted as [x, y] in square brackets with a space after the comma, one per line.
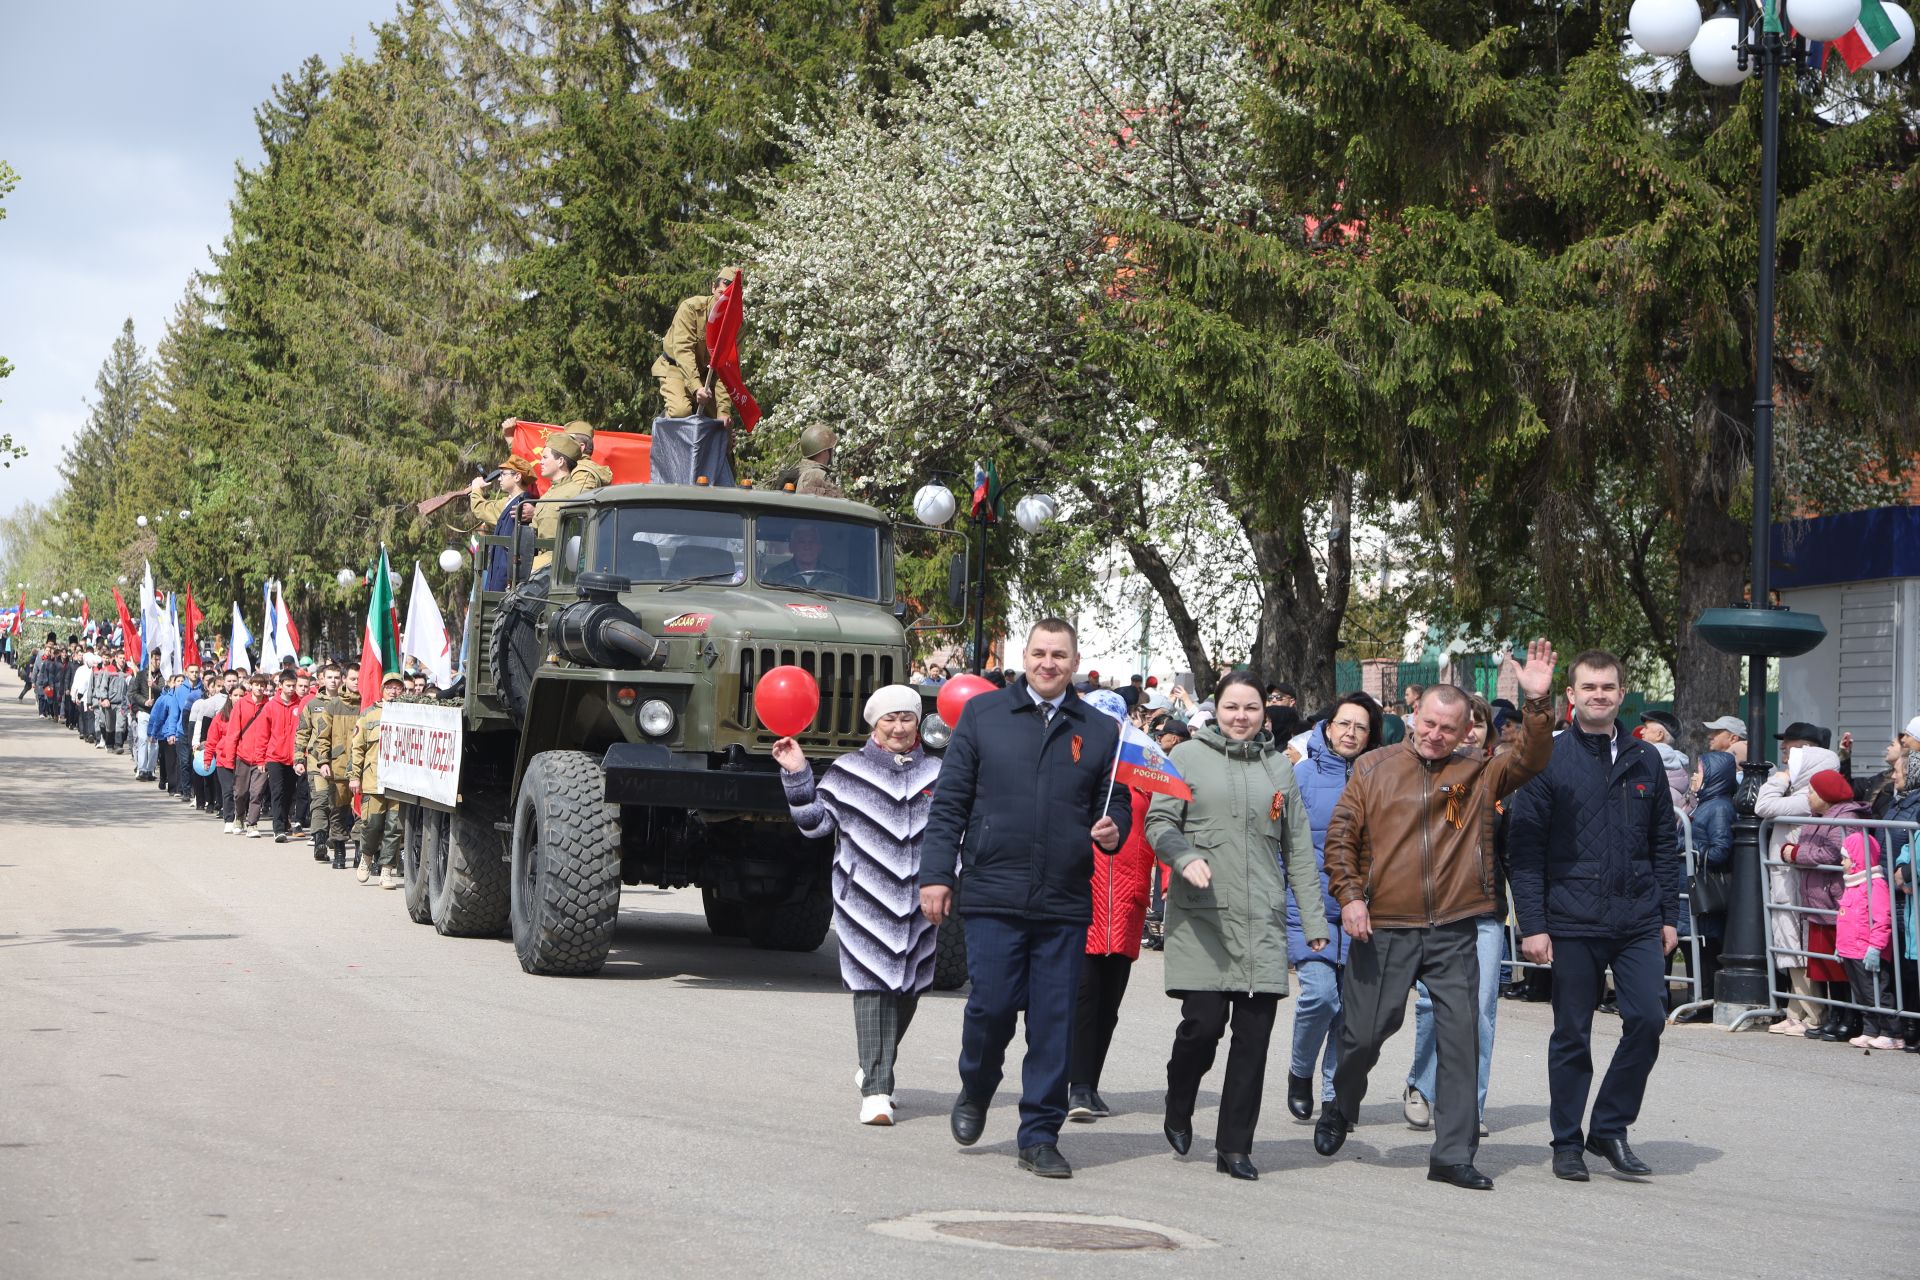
[934, 505]
[1823, 19]
[346, 578]
[141, 521]
[1713, 53]
[1664, 27]
[450, 561]
[1033, 511]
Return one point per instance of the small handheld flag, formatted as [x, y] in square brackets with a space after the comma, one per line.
[1143, 765]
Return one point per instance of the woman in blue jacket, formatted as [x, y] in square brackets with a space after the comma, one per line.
[1352, 727]
[1715, 778]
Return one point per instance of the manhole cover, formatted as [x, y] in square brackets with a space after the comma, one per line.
[1046, 1232]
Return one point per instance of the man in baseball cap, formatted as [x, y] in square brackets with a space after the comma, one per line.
[1728, 733]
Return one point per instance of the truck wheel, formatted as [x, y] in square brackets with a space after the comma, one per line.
[798, 926]
[466, 874]
[417, 822]
[513, 652]
[950, 956]
[566, 866]
[724, 919]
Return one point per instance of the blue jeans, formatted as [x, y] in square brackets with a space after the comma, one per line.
[1490, 938]
[1316, 1023]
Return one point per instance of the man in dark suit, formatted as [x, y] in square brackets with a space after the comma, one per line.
[1024, 786]
[1595, 870]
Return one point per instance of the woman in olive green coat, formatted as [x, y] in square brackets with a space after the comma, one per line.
[1226, 915]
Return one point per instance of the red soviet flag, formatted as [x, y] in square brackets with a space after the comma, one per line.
[627, 455]
[190, 621]
[129, 634]
[723, 348]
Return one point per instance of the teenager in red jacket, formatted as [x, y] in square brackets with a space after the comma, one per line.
[283, 718]
[250, 755]
[222, 732]
[1121, 886]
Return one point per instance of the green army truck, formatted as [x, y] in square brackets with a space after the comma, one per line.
[606, 736]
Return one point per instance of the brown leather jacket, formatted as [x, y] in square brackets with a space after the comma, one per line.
[1408, 835]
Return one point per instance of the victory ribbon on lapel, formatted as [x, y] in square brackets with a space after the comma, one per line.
[1274, 809]
[1076, 748]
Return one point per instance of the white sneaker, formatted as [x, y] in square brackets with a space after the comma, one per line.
[362, 873]
[1418, 1110]
[229, 829]
[390, 879]
[253, 833]
[876, 1108]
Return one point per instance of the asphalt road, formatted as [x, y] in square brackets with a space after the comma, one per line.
[218, 1058]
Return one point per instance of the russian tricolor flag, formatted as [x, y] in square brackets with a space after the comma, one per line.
[1142, 764]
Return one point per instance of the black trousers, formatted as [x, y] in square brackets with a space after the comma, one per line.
[1373, 1001]
[1640, 989]
[281, 783]
[1204, 1016]
[225, 775]
[1875, 986]
[165, 755]
[1103, 984]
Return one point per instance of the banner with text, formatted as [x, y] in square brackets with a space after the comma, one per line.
[420, 751]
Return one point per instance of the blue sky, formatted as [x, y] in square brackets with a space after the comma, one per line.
[124, 121]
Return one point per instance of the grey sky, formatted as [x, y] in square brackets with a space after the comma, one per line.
[124, 121]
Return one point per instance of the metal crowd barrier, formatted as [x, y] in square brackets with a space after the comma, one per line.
[1776, 956]
[1690, 980]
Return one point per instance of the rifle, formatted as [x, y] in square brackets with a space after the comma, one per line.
[428, 506]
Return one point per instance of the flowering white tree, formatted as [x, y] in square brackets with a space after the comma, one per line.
[929, 269]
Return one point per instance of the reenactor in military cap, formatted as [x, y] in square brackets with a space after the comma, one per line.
[379, 817]
[681, 369]
[600, 474]
[559, 463]
[320, 745]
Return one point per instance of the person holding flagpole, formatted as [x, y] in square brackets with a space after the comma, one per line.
[1226, 934]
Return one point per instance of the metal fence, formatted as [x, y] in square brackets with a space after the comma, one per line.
[1779, 959]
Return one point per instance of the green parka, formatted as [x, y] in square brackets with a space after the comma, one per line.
[1245, 816]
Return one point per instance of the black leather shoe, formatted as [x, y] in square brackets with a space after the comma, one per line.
[1617, 1153]
[1330, 1134]
[1080, 1104]
[968, 1119]
[1300, 1096]
[1831, 1032]
[1046, 1161]
[1464, 1176]
[1235, 1164]
[1100, 1108]
[1179, 1137]
[1568, 1166]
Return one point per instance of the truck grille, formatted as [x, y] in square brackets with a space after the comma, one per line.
[846, 677]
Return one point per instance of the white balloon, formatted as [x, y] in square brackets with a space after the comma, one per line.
[1713, 55]
[450, 560]
[1664, 27]
[1823, 19]
[934, 505]
[1896, 53]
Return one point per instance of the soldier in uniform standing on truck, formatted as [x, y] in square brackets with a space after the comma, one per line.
[379, 825]
[816, 455]
[681, 369]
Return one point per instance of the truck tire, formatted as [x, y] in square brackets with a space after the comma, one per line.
[466, 874]
[950, 956]
[724, 919]
[416, 823]
[797, 926]
[566, 866]
[513, 654]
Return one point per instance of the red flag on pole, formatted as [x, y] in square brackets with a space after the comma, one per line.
[723, 348]
[83, 611]
[293, 632]
[190, 620]
[20, 615]
[130, 634]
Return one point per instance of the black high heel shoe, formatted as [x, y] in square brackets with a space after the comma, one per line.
[1179, 1138]
[1237, 1165]
[1300, 1096]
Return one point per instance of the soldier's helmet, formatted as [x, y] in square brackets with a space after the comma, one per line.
[817, 440]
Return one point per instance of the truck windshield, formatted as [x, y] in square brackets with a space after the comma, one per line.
[670, 544]
[809, 553]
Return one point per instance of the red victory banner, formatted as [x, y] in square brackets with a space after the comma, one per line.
[628, 456]
[723, 348]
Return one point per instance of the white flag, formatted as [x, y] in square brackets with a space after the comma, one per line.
[149, 612]
[237, 657]
[283, 644]
[269, 634]
[425, 637]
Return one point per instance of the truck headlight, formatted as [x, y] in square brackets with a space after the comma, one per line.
[935, 733]
[656, 718]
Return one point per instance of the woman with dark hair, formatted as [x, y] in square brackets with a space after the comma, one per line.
[1226, 945]
[1350, 728]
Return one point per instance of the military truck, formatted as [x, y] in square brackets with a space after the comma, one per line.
[606, 735]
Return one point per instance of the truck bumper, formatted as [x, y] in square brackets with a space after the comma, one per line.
[644, 773]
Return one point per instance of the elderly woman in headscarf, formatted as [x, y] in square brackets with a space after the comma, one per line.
[874, 803]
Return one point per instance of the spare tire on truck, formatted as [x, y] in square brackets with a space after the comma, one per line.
[513, 653]
[566, 866]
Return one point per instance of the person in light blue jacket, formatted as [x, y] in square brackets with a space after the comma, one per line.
[1352, 726]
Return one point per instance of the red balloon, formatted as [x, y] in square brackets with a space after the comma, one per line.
[957, 692]
[786, 700]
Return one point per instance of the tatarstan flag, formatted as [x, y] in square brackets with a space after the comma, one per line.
[1872, 35]
[380, 645]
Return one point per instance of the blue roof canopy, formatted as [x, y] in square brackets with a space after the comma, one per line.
[1859, 546]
